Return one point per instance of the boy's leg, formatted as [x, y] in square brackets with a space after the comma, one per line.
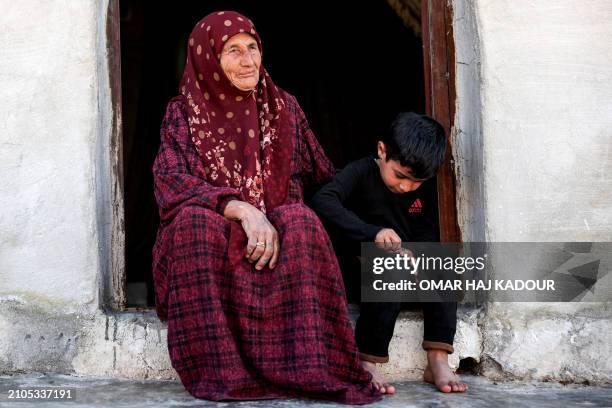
[440, 323]
[373, 333]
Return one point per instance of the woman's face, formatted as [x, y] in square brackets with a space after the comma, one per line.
[240, 61]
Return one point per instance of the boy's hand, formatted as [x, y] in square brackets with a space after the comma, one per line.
[388, 239]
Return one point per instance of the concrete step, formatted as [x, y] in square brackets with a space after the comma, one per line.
[133, 345]
[547, 342]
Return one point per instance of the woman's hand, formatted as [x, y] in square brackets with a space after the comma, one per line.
[388, 239]
[263, 245]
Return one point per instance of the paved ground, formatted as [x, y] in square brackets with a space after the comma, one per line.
[95, 392]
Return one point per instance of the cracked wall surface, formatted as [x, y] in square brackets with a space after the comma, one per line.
[48, 113]
[533, 145]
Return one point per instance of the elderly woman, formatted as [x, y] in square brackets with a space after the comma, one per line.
[244, 272]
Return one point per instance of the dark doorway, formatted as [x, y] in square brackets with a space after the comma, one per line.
[352, 69]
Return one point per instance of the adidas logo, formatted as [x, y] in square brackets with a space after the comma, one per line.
[416, 207]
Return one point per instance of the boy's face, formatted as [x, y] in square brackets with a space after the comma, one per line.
[397, 178]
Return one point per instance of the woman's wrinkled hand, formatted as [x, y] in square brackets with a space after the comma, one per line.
[263, 245]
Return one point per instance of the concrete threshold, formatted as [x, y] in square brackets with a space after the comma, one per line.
[92, 392]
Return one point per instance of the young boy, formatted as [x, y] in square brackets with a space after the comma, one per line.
[377, 199]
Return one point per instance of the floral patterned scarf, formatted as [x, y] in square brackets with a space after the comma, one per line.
[243, 137]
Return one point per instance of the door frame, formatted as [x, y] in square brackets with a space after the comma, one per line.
[114, 287]
[439, 70]
[440, 95]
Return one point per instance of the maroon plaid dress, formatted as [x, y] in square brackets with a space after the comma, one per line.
[236, 333]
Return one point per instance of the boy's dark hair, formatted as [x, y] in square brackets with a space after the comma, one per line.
[416, 141]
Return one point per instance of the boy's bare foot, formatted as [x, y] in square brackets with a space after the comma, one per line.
[439, 373]
[378, 380]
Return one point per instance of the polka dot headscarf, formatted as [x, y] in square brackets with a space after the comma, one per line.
[243, 137]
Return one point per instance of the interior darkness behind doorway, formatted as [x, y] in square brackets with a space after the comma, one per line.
[351, 70]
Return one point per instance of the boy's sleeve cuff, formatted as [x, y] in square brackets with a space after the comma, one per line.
[370, 232]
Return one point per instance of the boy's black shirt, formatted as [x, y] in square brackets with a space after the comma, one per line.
[358, 203]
